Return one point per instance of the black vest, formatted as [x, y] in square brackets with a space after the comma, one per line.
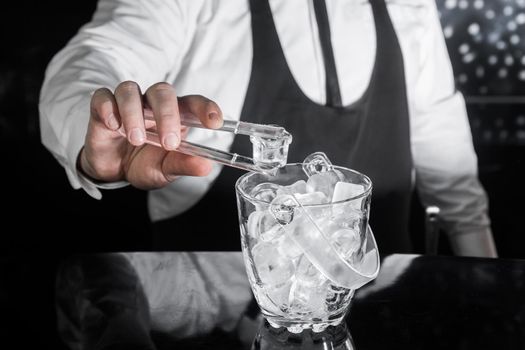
[371, 135]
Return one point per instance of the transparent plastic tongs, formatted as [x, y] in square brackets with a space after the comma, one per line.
[270, 143]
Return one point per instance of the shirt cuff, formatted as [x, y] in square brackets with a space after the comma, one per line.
[75, 142]
[88, 182]
[92, 187]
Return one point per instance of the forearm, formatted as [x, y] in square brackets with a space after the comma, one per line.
[444, 157]
[117, 45]
[448, 179]
[71, 78]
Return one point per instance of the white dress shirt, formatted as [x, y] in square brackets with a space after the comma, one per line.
[205, 47]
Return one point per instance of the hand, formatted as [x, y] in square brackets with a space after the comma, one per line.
[107, 156]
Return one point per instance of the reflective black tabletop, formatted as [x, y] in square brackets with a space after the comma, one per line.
[203, 301]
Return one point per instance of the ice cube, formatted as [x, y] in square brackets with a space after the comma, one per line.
[265, 191]
[253, 223]
[323, 182]
[272, 268]
[295, 188]
[343, 216]
[287, 247]
[346, 190]
[307, 273]
[262, 225]
[268, 228]
[284, 207]
[312, 198]
[273, 299]
[270, 152]
[279, 295]
[306, 233]
[346, 242]
[305, 299]
[312, 202]
[264, 300]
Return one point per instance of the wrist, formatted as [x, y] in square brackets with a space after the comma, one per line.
[477, 243]
[84, 170]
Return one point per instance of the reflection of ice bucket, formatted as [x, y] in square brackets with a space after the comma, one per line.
[304, 272]
[334, 338]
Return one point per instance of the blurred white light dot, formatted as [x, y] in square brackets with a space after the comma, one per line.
[503, 134]
[469, 57]
[521, 75]
[499, 122]
[490, 14]
[502, 73]
[478, 38]
[473, 29]
[514, 39]
[478, 4]
[487, 135]
[501, 45]
[523, 60]
[450, 4]
[483, 90]
[448, 31]
[493, 59]
[520, 18]
[520, 134]
[480, 71]
[520, 120]
[508, 10]
[463, 4]
[512, 26]
[493, 37]
[509, 60]
[462, 78]
[463, 48]
[520, 3]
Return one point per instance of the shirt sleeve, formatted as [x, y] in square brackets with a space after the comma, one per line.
[444, 157]
[143, 41]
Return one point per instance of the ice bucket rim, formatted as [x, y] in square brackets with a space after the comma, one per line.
[365, 193]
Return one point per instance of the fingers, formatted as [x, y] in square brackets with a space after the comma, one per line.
[176, 164]
[101, 155]
[104, 108]
[166, 107]
[205, 109]
[122, 112]
[129, 102]
[162, 100]
[150, 167]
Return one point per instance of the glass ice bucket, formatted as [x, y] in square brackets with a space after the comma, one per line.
[306, 243]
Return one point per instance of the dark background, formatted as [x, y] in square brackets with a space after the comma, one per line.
[486, 43]
[44, 219]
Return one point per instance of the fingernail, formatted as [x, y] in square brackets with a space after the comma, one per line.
[112, 122]
[137, 137]
[171, 141]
